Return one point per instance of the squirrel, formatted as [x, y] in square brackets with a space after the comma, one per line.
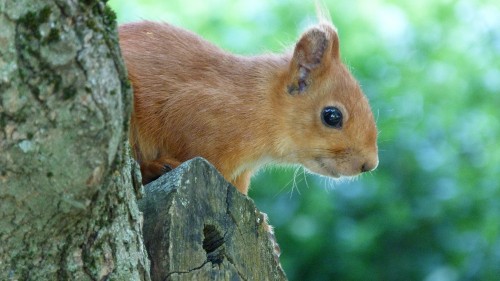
[191, 98]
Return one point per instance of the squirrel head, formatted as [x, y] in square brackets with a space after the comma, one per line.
[328, 124]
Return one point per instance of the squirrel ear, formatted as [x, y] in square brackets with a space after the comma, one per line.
[315, 51]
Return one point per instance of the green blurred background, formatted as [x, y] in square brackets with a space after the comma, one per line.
[431, 211]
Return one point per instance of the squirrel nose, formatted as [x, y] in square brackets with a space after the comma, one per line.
[365, 168]
[369, 166]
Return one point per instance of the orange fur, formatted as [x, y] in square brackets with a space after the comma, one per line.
[193, 99]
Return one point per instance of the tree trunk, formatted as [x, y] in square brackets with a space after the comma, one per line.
[67, 200]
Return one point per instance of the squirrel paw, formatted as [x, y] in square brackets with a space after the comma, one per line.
[153, 170]
[272, 238]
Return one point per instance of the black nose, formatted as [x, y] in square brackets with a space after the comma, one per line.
[367, 167]
[364, 168]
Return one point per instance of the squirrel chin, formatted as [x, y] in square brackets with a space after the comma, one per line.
[318, 167]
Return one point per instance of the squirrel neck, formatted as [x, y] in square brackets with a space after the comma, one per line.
[257, 108]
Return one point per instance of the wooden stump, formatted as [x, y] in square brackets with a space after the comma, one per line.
[197, 226]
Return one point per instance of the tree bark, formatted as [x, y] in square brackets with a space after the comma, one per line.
[197, 226]
[67, 200]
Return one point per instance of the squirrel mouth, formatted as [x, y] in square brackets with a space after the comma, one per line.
[323, 167]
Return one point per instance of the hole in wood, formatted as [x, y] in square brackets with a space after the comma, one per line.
[213, 242]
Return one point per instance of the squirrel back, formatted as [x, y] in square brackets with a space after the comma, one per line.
[192, 98]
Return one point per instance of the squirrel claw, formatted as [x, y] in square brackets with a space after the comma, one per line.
[153, 170]
[167, 168]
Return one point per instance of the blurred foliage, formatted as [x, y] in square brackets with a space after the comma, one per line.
[431, 211]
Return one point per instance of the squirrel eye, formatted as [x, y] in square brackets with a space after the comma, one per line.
[332, 117]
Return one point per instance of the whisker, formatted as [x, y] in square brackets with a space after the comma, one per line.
[325, 183]
[295, 173]
[284, 187]
[333, 184]
[305, 176]
[330, 186]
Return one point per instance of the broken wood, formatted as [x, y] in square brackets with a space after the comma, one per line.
[199, 227]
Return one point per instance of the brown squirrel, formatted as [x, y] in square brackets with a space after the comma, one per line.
[191, 99]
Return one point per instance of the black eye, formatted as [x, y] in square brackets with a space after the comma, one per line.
[332, 117]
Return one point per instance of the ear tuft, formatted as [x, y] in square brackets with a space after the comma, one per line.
[313, 53]
[310, 49]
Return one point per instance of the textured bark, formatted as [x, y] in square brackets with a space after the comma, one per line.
[67, 200]
[199, 227]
